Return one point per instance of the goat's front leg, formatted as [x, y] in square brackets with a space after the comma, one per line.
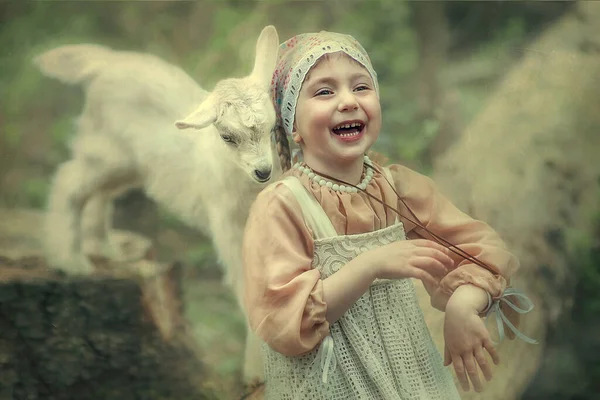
[253, 368]
[63, 218]
[227, 238]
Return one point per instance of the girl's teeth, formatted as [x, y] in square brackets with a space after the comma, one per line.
[352, 125]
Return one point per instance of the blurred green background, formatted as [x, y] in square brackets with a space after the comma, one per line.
[437, 64]
[215, 39]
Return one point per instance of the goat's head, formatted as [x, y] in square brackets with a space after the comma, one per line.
[242, 112]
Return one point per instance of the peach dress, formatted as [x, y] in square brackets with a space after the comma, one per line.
[298, 234]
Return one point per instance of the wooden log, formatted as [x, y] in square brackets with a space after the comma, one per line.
[119, 333]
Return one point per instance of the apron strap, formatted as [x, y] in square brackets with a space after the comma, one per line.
[316, 219]
[314, 215]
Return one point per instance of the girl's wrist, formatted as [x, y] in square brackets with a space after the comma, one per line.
[469, 298]
[370, 266]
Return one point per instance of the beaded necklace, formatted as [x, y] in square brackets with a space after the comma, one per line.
[368, 175]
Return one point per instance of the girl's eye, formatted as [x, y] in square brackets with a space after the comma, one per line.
[361, 88]
[323, 92]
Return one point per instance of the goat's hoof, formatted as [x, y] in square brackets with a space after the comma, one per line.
[254, 390]
[73, 266]
[131, 247]
[101, 251]
[99, 261]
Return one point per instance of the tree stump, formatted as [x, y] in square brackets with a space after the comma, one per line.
[119, 333]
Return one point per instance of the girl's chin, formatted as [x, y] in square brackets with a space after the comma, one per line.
[349, 155]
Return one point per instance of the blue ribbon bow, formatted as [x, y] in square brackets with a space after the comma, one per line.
[501, 318]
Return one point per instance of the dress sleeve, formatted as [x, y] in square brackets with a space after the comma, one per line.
[475, 237]
[283, 295]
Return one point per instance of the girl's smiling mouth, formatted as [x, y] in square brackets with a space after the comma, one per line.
[349, 131]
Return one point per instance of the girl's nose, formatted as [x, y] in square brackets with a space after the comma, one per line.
[347, 102]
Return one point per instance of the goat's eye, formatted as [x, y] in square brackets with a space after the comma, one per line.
[228, 139]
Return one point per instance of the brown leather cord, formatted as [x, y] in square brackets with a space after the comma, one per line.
[456, 250]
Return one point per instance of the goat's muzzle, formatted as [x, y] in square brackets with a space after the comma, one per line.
[263, 174]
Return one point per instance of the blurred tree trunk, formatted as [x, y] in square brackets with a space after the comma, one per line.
[432, 37]
[435, 104]
[528, 165]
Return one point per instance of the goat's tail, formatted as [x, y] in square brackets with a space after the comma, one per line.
[74, 64]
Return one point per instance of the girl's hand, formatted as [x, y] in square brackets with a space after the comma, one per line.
[419, 258]
[467, 339]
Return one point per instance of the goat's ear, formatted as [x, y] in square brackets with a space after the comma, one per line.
[203, 116]
[267, 47]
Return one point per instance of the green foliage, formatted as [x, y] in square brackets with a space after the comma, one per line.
[576, 339]
[202, 256]
[585, 254]
[61, 131]
[11, 135]
[170, 30]
[34, 192]
[590, 281]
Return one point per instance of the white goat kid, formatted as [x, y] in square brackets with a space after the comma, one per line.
[126, 138]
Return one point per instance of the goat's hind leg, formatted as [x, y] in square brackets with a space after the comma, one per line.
[100, 240]
[75, 182]
[95, 225]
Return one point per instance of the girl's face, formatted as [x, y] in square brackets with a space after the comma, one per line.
[338, 116]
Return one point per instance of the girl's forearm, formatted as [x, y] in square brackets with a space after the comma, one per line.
[344, 287]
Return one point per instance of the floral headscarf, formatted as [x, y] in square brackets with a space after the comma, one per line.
[296, 57]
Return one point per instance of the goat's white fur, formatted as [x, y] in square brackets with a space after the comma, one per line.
[126, 138]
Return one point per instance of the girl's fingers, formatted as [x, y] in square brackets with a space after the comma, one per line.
[422, 275]
[430, 244]
[472, 372]
[489, 346]
[436, 254]
[447, 358]
[485, 366]
[431, 265]
[459, 368]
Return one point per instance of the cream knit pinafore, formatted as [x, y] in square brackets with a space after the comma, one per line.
[379, 349]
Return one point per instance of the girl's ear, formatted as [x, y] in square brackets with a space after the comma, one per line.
[296, 136]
